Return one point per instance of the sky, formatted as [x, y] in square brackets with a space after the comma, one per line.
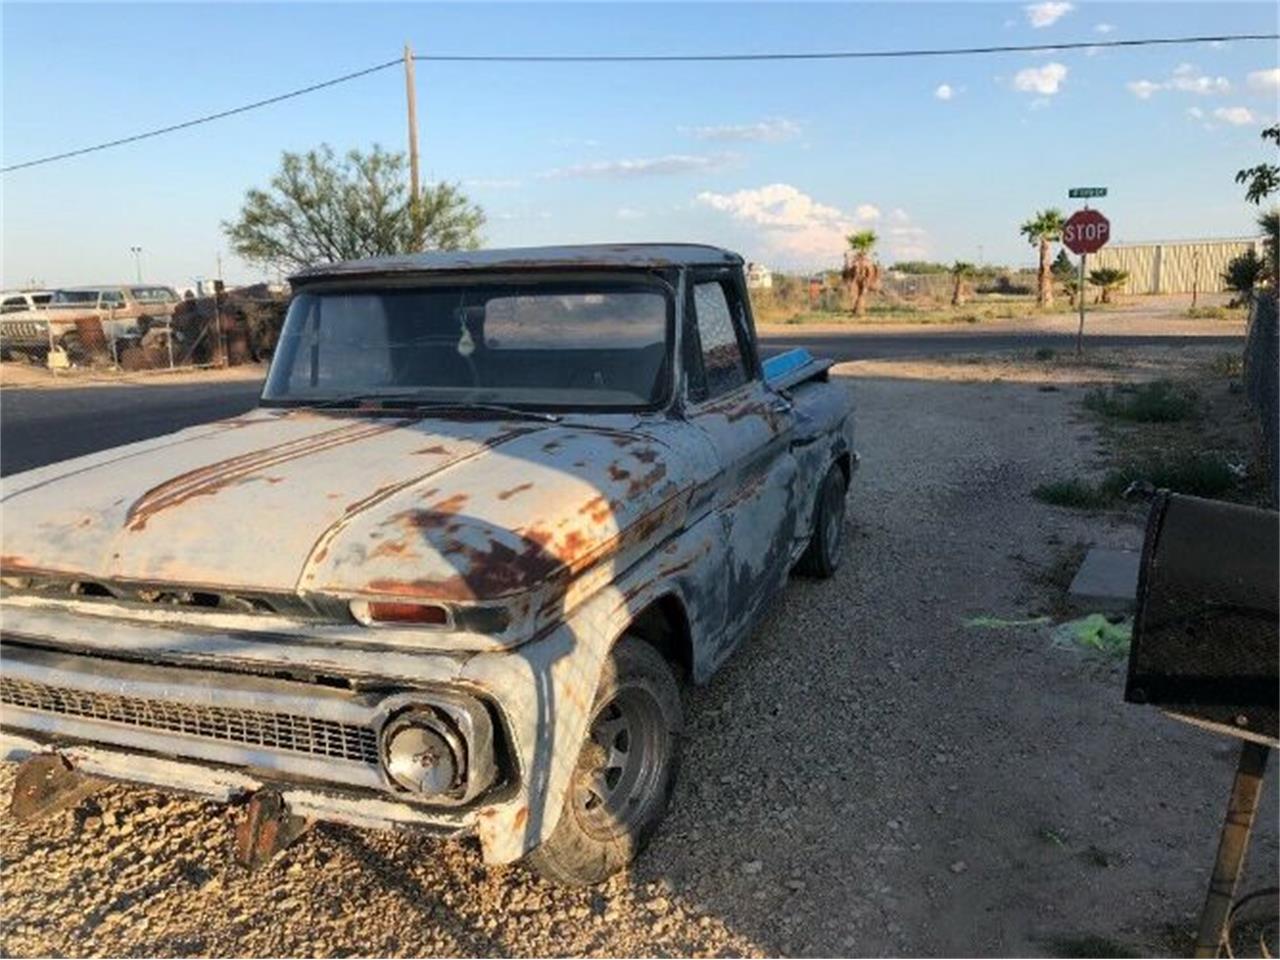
[942, 157]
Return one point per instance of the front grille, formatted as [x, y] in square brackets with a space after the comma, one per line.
[254, 728]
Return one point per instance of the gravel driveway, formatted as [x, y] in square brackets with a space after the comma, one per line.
[866, 776]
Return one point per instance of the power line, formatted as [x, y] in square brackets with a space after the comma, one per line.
[830, 55]
[647, 58]
[207, 118]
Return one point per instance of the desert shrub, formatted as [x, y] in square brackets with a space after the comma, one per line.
[1156, 402]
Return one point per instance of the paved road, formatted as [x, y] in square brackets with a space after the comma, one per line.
[46, 425]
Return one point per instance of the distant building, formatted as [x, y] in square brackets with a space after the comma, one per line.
[1173, 266]
[759, 277]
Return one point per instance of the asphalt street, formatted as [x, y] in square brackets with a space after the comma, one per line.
[45, 425]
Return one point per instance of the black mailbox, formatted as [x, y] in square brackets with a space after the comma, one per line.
[1205, 639]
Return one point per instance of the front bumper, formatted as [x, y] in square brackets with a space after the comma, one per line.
[212, 728]
[230, 786]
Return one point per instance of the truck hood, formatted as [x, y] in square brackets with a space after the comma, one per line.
[349, 505]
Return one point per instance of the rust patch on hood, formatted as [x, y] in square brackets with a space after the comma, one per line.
[519, 488]
[208, 480]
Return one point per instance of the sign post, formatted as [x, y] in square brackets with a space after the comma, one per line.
[1084, 233]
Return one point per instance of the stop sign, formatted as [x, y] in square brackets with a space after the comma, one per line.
[1086, 231]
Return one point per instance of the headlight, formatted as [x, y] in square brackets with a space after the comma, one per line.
[422, 752]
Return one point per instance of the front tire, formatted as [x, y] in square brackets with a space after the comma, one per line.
[625, 772]
[826, 546]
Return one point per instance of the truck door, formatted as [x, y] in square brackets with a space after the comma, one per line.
[749, 427]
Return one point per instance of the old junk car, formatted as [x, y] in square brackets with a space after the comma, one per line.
[492, 508]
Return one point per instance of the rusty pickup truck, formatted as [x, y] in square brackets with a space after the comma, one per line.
[493, 509]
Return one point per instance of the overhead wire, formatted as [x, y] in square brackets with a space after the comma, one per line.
[644, 58]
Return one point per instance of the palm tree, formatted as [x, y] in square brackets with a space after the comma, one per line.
[1107, 279]
[960, 271]
[860, 271]
[1044, 230]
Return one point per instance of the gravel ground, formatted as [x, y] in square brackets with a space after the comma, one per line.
[866, 776]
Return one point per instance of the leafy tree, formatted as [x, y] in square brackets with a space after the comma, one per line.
[1244, 274]
[860, 271]
[320, 207]
[1044, 230]
[1269, 222]
[960, 272]
[1264, 179]
[1107, 279]
[1063, 268]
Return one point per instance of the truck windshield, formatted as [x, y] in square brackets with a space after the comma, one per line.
[538, 345]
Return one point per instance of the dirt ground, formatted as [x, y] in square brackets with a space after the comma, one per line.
[18, 373]
[866, 776]
[1135, 316]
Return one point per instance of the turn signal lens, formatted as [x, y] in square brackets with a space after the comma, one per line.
[390, 611]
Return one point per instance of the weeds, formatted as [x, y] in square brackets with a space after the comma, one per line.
[1213, 313]
[1075, 493]
[1196, 474]
[1045, 354]
[1158, 402]
[1229, 365]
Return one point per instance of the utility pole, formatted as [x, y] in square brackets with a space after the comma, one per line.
[410, 89]
[137, 261]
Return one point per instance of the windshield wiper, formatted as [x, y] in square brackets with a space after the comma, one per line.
[490, 407]
[417, 402]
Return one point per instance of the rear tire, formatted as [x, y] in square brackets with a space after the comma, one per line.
[826, 545]
[626, 769]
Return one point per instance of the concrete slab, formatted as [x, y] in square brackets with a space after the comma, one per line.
[1106, 581]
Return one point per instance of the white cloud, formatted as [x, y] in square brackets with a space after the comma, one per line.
[1045, 80]
[944, 91]
[1264, 81]
[1236, 116]
[508, 216]
[770, 130]
[1047, 13]
[671, 163]
[630, 213]
[491, 183]
[1195, 113]
[1104, 28]
[1039, 103]
[1186, 78]
[794, 227]
[1143, 89]
[908, 243]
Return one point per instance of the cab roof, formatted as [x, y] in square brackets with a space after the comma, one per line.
[617, 255]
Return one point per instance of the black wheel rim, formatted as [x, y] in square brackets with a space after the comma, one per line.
[621, 765]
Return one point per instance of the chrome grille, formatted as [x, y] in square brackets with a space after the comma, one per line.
[255, 728]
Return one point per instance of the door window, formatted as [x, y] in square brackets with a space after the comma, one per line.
[723, 367]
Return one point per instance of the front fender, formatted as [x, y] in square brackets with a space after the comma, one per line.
[547, 687]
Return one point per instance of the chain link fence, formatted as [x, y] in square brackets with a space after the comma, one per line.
[1262, 381]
